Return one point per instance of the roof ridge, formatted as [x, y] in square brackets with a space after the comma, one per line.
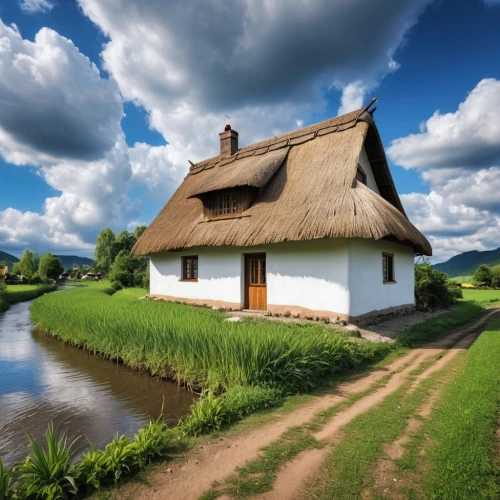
[286, 138]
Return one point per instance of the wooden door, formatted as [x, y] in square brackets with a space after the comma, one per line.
[255, 281]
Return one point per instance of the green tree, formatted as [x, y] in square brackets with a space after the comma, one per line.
[123, 268]
[16, 268]
[123, 241]
[50, 267]
[138, 232]
[482, 276]
[104, 250]
[495, 279]
[27, 264]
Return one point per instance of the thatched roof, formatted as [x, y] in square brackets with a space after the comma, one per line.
[307, 191]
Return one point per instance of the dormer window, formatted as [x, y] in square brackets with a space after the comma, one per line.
[228, 203]
[360, 175]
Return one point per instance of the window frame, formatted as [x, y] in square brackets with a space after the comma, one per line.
[234, 198]
[184, 268]
[391, 276]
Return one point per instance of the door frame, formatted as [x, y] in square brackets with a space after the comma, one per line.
[246, 281]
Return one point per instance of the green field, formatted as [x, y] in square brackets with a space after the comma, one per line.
[196, 346]
[21, 293]
[483, 297]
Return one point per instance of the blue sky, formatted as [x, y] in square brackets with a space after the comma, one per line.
[106, 101]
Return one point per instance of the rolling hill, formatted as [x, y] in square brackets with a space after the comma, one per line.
[466, 263]
[9, 258]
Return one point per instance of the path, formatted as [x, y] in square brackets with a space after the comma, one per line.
[216, 461]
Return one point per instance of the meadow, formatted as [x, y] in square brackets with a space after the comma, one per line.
[195, 346]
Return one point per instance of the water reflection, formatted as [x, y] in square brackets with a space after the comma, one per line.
[42, 379]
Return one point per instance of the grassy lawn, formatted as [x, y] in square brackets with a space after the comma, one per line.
[460, 462]
[21, 293]
[483, 297]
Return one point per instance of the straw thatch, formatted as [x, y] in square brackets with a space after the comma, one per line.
[307, 191]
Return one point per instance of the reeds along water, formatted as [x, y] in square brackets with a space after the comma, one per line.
[195, 346]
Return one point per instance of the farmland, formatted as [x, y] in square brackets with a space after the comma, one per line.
[196, 347]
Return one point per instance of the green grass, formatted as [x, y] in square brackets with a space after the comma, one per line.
[463, 425]
[21, 293]
[483, 297]
[196, 346]
[461, 314]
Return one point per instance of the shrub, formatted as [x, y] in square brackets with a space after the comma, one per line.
[454, 291]
[116, 285]
[482, 276]
[123, 277]
[48, 472]
[3, 286]
[36, 279]
[431, 287]
[139, 279]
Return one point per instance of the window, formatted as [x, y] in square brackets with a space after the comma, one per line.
[226, 204]
[190, 268]
[388, 268]
[361, 176]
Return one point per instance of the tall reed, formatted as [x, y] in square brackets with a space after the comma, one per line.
[195, 346]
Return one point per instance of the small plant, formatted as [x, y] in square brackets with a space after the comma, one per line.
[93, 468]
[120, 457]
[48, 473]
[5, 479]
[207, 415]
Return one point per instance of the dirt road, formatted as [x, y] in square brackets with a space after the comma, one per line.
[217, 461]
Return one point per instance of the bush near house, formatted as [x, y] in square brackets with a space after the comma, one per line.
[433, 288]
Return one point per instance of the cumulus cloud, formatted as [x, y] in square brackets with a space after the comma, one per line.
[33, 6]
[53, 102]
[458, 155]
[59, 114]
[214, 58]
[466, 138]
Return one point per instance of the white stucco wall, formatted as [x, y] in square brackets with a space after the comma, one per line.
[365, 165]
[368, 291]
[219, 274]
[337, 275]
[309, 274]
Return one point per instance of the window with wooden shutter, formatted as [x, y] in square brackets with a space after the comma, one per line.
[190, 268]
[388, 268]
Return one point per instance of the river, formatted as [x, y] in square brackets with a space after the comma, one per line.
[43, 380]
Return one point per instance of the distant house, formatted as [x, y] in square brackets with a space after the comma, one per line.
[307, 222]
[92, 276]
[4, 273]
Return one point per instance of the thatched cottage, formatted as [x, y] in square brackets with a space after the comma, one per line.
[307, 222]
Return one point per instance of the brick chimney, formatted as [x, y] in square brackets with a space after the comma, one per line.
[228, 142]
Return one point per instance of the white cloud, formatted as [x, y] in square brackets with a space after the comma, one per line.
[458, 155]
[33, 6]
[190, 66]
[53, 102]
[466, 138]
